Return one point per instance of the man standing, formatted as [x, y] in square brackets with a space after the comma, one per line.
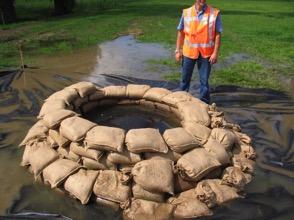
[198, 40]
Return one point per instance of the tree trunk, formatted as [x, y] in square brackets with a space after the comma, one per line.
[7, 11]
[62, 7]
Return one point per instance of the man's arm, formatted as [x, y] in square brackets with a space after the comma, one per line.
[217, 43]
[179, 45]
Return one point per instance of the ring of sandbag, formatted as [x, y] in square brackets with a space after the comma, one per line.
[60, 125]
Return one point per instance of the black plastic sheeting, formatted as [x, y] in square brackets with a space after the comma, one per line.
[266, 115]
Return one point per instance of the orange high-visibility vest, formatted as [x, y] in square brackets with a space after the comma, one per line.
[199, 35]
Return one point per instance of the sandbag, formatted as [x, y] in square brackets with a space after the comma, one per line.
[53, 119]
[195, 164]
[162, 108]
[176, 97]
[52, 106]
[79, 149]
[147, 104]
[26, 156]
[145, 140]
[38, 162]
[59, 139]
[194, 112]
[154, 175]
[241, 137]
[106, 203]
[75, 128]
[170, 155]
[58, 171]
[97, 95]
[146, 210]
[52, 142]
[115, 91]
[176, 112]
[140, 193]
[188, 207]
[179, 140]
[94, 164]
[181, 185]
[84, 88]
[80, 185]
[110, 185]
[105, 138]
[200, 132]
[37, 132]
[125, 168]
[217, 150]
[246, 165]
[64, 152]
[67, 94]
[125, 157]
[245, 149]
[136, 91]
[233, 176]
[224, 136]
[156, 94]
[212, 192]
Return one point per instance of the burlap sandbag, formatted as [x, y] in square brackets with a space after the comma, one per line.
[37, 132]
[179, 140]
[244, 138]
[94, 164]
[145, 210]
[53, 119]
[245, 149]
[145, 140]
[79, 149]
[125, 157]
[200, 132]
[189, 207]
[125, 168]
[212, 192]
[170, 155]
[64, 152]
[52, 142]
[176, 97]
[58, 171]
[105, 138]
[218, 151]
[181, 185]
[67, 94]
[84, 88]
[140, 193]
[194, 112]
[156, 94]
[41, 155]
[233, 176]
[75, 128]
[154, 175]
[110, 185]
[59, 139]
[52, 106]
[89, 106]
[115, 91]
[224, 136]
[195, 164]
[80, 185]
[77, 103]
[136, 91]
[26, 156]
[97, 95]
[162, 108]
[106, 203]
[176, 112]
[246, 165]
[149, 105]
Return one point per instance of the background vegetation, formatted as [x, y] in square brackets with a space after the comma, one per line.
[260, 29]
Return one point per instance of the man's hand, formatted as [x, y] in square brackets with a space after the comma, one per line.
[213, 58]
[178, 56]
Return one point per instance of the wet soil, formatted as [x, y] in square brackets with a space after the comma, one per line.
[266, 115]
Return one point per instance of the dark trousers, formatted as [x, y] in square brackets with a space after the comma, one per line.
[204, 68]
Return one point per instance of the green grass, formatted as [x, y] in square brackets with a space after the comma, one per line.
[260, 28]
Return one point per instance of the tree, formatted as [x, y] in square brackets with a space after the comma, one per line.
[62, 7]
[7, 11]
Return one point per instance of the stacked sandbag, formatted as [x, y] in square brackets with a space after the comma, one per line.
[180, 173]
